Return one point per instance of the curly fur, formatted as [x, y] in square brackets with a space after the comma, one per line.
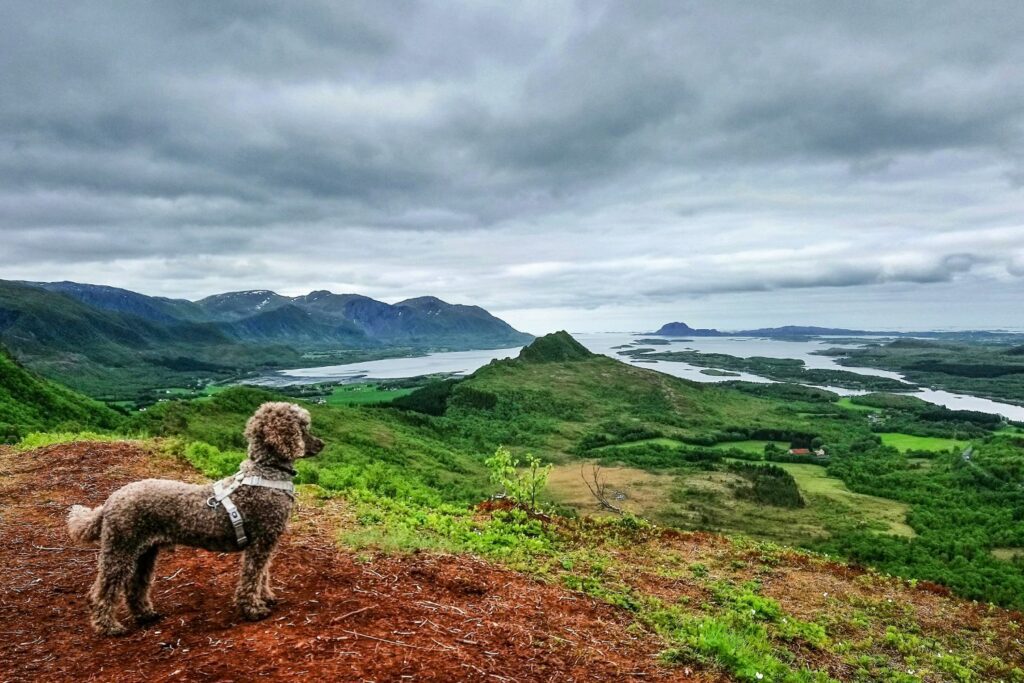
[85, 524]
[144, 516]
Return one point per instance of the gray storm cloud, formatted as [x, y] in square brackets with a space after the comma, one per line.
[541, 156]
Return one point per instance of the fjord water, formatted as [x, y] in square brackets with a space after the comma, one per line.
[465, 362]
[448, 362]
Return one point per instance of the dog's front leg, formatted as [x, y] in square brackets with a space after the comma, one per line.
[268, 591]
[250, 585]
[139, 585]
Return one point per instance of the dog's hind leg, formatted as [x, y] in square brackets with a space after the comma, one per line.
[112, 576]
[249, 595]
[267, 591]
[138, 587]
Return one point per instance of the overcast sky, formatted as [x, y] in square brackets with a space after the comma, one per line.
[582, 165]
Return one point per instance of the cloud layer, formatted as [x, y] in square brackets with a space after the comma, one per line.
[534, 158]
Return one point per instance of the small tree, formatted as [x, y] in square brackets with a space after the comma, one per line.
[599, 488]
[521, 484]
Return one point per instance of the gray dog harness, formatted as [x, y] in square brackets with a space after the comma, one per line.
[223, 489]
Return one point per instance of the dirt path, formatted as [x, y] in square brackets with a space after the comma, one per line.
[398, 618]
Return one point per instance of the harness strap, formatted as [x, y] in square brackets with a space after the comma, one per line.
[223, 489]
[286, 486]
[236, 520]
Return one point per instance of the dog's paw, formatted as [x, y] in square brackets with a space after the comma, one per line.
[113, 630]
[255, 612]
[148, 618]
[271, 600]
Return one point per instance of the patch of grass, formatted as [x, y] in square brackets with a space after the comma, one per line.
[752, 446]
[710, 500]
[657, 441]
[41, 439]
[847, 403]
[642, 492]
[827, 491]
[1008, 554]
[909, 442]
[363, 394]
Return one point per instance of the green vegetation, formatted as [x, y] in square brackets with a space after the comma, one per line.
[360, 393]
[383, 452]
[992, 370]
[30, 403]
[909, 442]
[116, 356]
[847, 402]
[742, 636]
[34, 440]
[521, 484]
[960, 508]
[554, 348]
[752, 446]
[769, 485]
[886, 515]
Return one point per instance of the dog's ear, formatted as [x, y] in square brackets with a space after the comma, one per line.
[279, 428]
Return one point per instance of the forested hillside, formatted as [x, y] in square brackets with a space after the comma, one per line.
[30, 403]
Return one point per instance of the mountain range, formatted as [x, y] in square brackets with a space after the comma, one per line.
[92, 335]
[681, 329]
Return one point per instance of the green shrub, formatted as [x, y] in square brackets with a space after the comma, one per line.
[212, 461]
[521, 486]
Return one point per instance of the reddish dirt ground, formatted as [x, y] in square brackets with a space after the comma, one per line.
[392, 618]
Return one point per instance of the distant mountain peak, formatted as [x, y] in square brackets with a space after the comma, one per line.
[681, 329]
[556, 347]
[420, 300]
[245, 292]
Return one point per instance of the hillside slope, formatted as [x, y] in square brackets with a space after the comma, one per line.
[341, 616]
[589, 602]
[29, 403]
[110, 353]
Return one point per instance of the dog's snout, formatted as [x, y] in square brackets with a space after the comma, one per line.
[314, 445]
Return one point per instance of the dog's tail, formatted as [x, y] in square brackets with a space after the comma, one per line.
[85, 524]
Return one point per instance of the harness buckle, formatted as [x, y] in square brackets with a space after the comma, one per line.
[211, 501]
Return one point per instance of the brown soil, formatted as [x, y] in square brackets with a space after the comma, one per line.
[391, 618]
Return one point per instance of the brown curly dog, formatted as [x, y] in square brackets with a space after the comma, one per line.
[140, 518]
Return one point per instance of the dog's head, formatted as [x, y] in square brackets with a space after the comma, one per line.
[280, 432]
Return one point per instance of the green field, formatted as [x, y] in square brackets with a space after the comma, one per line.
[754, 446]
[847, 403]
[708, 500]
[817, 486]
[909, 442]
[363, 394]
[657, 441]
